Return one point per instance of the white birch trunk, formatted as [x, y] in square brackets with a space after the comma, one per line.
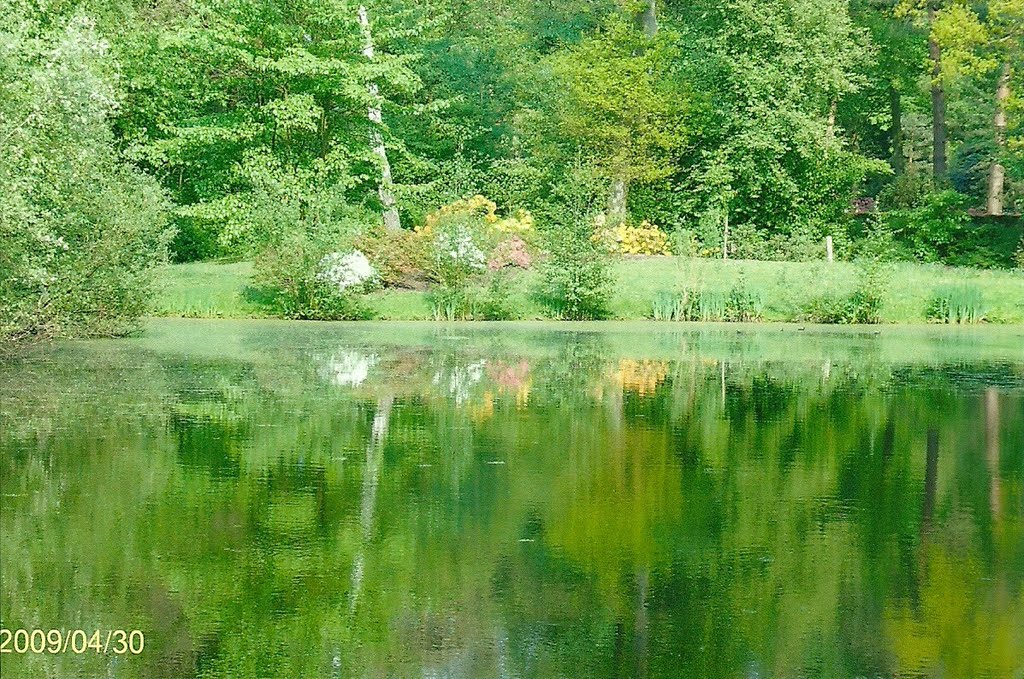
[649, 19]
[386, 187]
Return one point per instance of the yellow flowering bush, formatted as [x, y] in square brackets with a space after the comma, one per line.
[484, 209]
[644, 239]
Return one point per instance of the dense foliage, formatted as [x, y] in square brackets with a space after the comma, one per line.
[576, 281]
[79, 230]
[742, 129]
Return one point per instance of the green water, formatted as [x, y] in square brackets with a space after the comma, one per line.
[303, 500]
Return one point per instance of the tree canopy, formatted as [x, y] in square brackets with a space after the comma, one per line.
[237, 123]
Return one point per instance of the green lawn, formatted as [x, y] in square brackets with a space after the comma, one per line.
[213, 290]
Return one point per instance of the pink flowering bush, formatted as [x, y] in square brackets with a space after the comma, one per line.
[510, 252]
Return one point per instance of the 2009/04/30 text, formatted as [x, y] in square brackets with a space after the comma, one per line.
[78, 641]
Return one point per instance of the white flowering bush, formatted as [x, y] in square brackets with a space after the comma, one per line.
[457, 254]
[302, 282]
[346, 271]
[457, 258]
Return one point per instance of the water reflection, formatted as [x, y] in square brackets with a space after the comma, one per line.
[346, 367]
[295, 501]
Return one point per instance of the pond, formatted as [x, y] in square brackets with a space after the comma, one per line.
[264, 499]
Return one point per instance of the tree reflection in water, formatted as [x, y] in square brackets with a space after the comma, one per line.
[296, 502]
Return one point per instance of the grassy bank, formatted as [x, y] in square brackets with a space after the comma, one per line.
[210, 290]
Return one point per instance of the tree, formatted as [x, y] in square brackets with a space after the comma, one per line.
[618, 96]
[648, 20]
[386, 189]
[938, 106]
[977, 45]
[876, 114]
[81, 231]
[769, 74]
[237, 107]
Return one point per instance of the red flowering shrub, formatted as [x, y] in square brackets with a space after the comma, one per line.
[510, 252]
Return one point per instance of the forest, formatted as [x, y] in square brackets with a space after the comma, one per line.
[445, 146]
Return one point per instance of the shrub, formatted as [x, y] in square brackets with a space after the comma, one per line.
[305, 282]
[956, 304]
[933, 228]
[905, 192]
[685, 243]
[492, 302]
[488, 302]
[345, 271]
[802, 243]
[456, 259]
[862, 306]
[195, 240]
[575, 278]
[511, 252]
[879, 244]
[827, 308]
[479, 212]
[576, 282]
[80, 232]
[456, 255]
[402, 260]
[1018, 258]
[466, 239]
[645, 239]
[741, 305]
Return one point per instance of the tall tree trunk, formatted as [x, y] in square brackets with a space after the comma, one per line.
[938, 107]
[386, 187]
[649, 19]
[617, 199]
[997, 173]
[898, 162]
